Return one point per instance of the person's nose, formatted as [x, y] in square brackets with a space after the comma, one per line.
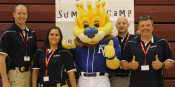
[121, 25]
[22, 15]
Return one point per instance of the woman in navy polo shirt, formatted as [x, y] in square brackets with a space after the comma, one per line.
[51, 61]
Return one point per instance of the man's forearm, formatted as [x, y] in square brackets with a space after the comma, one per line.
[3, 68]
[125, 65]
[168, 64]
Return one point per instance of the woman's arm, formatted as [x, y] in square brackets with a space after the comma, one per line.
[72, 78]
[35, 77]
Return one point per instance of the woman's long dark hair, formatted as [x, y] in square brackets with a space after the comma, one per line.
[46, 41]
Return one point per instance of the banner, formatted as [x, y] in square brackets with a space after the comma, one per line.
[66, 11]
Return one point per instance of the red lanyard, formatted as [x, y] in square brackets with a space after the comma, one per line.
[126, 39]
[144, 49]
[24, 41]
[47, 60]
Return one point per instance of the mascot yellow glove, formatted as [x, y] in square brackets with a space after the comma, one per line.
[68, 47]
[112, 61]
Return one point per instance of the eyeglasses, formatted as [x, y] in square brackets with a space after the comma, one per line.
[145, 17]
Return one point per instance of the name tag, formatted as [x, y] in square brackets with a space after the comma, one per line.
[26, 58]
[46, 78]
[145, 68]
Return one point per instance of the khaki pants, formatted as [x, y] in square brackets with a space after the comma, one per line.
[18, 79]
[120, 81]
[58, 85]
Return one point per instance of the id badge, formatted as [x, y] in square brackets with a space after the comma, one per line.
[26, 58]
[145, 68]
[46, 78]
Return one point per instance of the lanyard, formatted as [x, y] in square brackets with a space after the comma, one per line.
[126, 39]
[47, 60]
[24, 41]
[144, 49]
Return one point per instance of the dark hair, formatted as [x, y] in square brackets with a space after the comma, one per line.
[46, 41]
[145, 17]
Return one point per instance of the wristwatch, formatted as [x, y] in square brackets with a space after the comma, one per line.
[163, 65]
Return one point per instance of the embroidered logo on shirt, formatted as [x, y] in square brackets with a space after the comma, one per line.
[56, 55]
[30, 37]
[153, 46]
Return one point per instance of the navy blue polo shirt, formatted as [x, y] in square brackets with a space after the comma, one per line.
[151, 78]
[60, 60]
[122, 44]
[13, 46]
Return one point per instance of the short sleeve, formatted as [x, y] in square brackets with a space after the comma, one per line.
[4, 43]
[68, 62]
[36, 61]
[167, 52]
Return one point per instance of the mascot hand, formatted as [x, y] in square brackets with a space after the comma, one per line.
[109, 50]
[66, 44]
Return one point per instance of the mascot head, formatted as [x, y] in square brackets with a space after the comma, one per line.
[92, 25]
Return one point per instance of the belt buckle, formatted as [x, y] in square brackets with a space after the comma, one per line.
[90, 74]
[22, 69]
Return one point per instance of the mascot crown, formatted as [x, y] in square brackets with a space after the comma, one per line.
[92, 12]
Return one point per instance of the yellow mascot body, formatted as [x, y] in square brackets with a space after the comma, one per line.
[96, 51]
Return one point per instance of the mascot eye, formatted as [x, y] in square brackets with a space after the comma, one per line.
[86, 24]
[96, 24]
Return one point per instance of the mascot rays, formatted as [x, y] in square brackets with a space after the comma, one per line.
[95, 50]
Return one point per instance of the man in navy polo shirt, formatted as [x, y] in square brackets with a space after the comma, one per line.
[147, 56]
[120, 77]
[19, 43]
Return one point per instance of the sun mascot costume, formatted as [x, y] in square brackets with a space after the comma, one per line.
[95, 50]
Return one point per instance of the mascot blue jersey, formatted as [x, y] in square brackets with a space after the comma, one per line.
[88, 59]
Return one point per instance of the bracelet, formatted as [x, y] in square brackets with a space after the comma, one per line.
[110, 58]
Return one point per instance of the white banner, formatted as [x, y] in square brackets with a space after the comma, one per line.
[66, 11]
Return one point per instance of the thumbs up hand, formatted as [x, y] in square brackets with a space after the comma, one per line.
[109, 50]
[156, 64]
[134, 64]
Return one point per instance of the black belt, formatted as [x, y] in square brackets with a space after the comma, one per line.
[121, 75]
[92, 74]
[54, 85]
[21, 68]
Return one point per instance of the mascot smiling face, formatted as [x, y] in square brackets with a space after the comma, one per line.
[92, 25]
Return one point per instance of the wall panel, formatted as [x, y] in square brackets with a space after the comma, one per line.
[154, 2]
[169, 83]
[169, 73]
[158, 13]
[28, 1]
[36, 13]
